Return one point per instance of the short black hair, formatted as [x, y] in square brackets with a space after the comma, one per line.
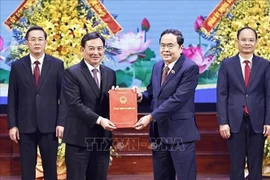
[92, 35]
[243, 28]
[35, 28]
[180, 38]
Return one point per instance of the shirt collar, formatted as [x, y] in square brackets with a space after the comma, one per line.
[90, 67]
[243, 59]
[170, 66]
[41, 59]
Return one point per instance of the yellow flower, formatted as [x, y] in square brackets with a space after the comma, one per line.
[65, 22]
[244, 13]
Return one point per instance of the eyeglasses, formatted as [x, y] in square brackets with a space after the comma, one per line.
[169, 46]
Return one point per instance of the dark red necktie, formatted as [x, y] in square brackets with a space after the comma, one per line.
[164, 74]
[36, 72]
[247, 72]
[247, 76]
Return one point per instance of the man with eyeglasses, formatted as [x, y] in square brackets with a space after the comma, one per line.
[173, 128]
[243, 106]
[88, 129]
[36, 115]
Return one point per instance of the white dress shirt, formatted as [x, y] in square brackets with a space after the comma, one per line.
[170, 66]
[40, 60]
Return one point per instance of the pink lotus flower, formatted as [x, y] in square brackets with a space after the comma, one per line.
[198, 23]
[2, 49]
[196, 54]
[130, 45]
[1, 43]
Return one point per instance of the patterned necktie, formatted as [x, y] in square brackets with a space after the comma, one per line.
[164, 74]
[95, 71]
[36, 72]
[247, 76]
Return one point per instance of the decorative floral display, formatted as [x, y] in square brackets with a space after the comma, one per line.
[197, 55]
[203, 54]
[133, 64]
[65, 22]
[130, 45]
[244, 13]
[145, 25]
[198, 23]
[4, 68]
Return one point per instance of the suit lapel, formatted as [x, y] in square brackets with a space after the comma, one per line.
[28, 70]
[238, 71]
[157, 72]
[103, 79]
[88, 76]
[254, 70]
[44, 70]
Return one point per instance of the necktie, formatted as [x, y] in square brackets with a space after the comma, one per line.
[95, 76]
[36, 72]
[247, 72]
[164, 74]
[247, 76]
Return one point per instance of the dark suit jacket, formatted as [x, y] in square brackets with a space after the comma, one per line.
[173, 102]
[232, 94]
[86, 103]
[31, 107]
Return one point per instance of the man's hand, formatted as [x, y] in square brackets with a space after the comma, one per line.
[60, 132]
[143, 122]
[115, 88]
[139, 94]
[14, 134]
[224, 131]
[266, 130]
[107, 124]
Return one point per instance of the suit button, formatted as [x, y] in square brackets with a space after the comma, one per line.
[246, 95]
[37, 95]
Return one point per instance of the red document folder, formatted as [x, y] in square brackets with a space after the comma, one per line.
[123, 108]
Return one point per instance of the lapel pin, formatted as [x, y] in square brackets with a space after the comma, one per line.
[172, 71]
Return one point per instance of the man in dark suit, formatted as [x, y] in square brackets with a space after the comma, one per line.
[35, 116]
[173, 128]
[243, 106]
[88, 131]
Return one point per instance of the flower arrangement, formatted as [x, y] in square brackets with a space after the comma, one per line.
[243, 13]
[203, 54]
[65, 22]
[133, 64]
[223, 37]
